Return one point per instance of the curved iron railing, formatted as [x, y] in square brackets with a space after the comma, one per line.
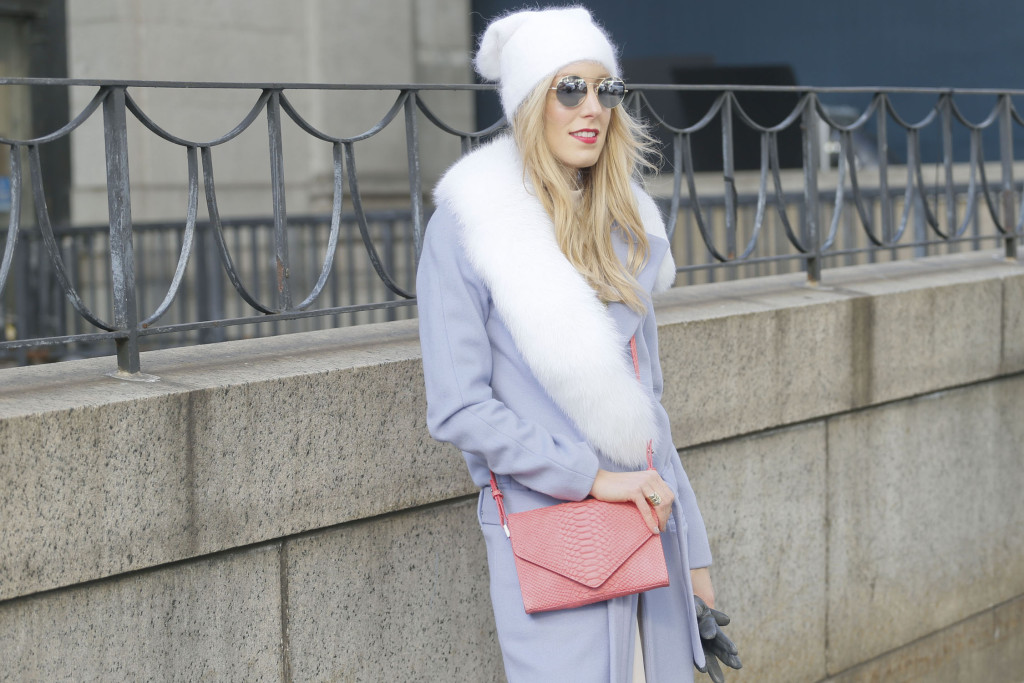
[715, 215]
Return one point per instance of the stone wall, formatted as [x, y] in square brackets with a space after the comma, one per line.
[275, 508]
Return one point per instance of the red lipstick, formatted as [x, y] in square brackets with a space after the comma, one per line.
[587, 136]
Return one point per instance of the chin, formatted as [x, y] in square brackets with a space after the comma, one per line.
[581, 161]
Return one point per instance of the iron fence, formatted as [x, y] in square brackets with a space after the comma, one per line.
[41, 309]
[836, 205]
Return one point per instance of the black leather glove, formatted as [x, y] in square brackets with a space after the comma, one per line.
[716, 644]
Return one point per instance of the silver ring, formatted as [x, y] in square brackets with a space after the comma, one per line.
[654, 498]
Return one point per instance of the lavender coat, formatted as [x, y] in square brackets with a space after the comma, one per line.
[531, 377]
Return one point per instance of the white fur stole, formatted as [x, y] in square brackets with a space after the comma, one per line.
[563, 331]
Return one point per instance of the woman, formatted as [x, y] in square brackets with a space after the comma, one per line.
[537, 269]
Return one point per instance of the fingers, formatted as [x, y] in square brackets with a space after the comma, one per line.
[720, 617]
[717, 645]
[659, 519]
[645, 511]
[645, 488]
[707, 626]
[714, 670]
[723, 645]
[730, 659]
[656, 497]
[647, 507]
[660, 497]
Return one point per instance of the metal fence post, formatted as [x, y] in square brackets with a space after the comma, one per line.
[811, 199]
[412, 142]
[884, 198]
[284, 294]
[1007, 195]
[946, 110]
[729, 173]
[122, 258]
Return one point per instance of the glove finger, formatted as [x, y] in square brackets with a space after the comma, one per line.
[724, 643]
[707, 627]
[714, 649]
[714, 670]
[731, 660]
[720, 617]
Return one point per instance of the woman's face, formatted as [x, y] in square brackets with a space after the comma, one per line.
[576, 136]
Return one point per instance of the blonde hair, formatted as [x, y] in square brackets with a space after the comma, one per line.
[583, 226]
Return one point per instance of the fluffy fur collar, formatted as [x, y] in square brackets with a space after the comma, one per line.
[564, 332]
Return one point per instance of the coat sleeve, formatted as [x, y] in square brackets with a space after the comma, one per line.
[699, 549]
[454, 305]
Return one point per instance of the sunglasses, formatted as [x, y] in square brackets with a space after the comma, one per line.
[572, 90]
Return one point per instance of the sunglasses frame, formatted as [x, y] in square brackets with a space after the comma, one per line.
[599, 83]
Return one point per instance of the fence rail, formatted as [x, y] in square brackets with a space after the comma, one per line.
[847, 198]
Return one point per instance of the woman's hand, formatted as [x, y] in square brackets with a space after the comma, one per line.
[701, 580]
[637, 487]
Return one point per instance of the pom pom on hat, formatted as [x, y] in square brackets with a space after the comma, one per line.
[521, 49]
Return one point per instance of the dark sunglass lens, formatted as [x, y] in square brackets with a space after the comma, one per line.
[610, 92]
[571, 91]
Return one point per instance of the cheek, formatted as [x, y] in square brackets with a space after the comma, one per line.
[555, 117]
[606, 120]
[550, 138]
[554, 127]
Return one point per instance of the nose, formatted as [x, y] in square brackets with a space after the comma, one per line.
[590, 107]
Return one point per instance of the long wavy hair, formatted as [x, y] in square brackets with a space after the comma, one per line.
[586, 205]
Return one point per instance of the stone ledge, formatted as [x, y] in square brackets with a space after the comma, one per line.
[70, 385]
[238, 443]
[249, 441]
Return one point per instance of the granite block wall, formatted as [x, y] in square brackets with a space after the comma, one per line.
[275, 509]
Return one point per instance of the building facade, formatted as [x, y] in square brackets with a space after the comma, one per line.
[238, 41]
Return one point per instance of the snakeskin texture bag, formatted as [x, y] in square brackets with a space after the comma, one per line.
[573, 554]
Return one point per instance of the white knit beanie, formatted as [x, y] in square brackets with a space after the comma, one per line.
[520, 50]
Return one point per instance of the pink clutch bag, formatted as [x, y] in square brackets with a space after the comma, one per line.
[577, 553]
